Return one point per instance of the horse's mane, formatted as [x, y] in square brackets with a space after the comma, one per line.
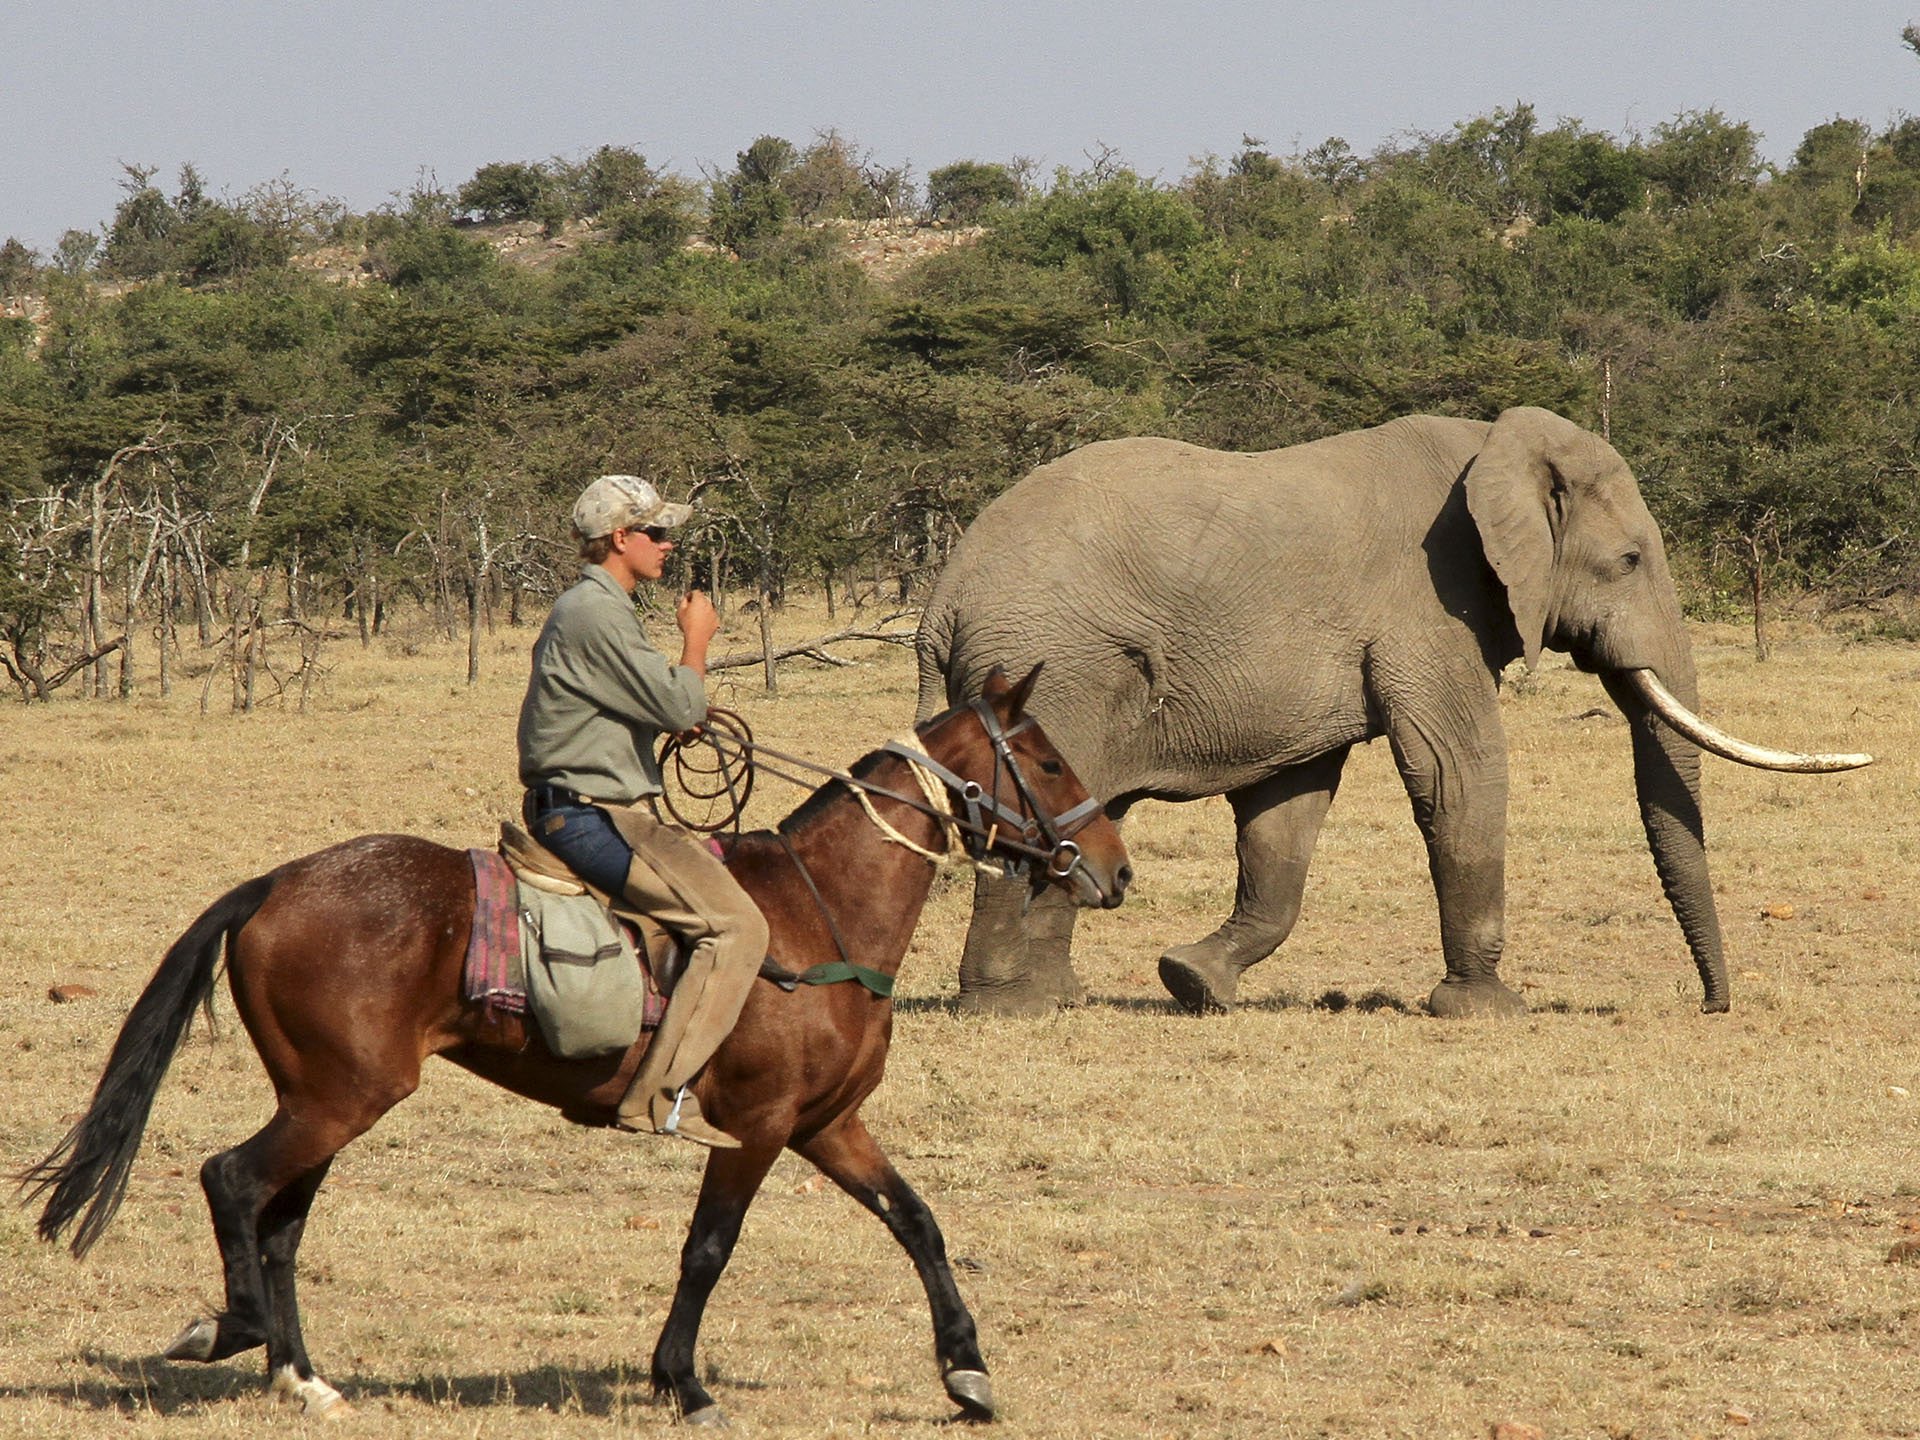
[829, 794]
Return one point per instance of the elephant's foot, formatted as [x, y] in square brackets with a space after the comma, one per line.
[1484, 995]
[1023, 995]
[1201, 980]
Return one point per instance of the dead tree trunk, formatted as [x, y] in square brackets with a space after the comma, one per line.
[770, 665]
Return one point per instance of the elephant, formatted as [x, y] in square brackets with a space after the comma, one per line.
[1235, 623]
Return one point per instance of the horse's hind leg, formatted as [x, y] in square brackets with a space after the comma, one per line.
[258, 1195]
[726, 1190]
[851, 1158]
[281, 1226]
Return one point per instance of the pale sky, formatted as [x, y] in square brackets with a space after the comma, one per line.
[357, 100]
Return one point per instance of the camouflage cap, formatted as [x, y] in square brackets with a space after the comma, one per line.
[623, 502]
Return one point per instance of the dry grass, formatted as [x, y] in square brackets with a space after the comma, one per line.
[1323, 1215]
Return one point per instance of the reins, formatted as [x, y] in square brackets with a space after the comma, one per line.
[982, 839]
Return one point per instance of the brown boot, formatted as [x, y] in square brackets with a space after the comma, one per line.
[679, 1115]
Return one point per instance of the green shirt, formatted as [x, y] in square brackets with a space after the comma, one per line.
[600, 696]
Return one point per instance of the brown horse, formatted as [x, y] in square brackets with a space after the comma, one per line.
[345, 967]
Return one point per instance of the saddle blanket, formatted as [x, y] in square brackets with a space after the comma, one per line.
[559, 958]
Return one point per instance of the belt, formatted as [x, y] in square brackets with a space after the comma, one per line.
[549, 797]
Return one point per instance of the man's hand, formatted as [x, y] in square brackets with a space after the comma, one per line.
[698, 623]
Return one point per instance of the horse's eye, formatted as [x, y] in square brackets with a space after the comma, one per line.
[1051, 767]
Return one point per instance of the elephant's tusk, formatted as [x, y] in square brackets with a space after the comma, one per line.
[1660, 700]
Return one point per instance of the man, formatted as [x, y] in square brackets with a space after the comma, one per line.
[599, 699]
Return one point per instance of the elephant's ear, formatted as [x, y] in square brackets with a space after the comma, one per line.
[1514, 495]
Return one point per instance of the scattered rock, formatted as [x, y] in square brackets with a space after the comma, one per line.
[1275, 1346]
[1898, 1092]
[812, 1185]
[1359, 1291]
[1515, 1430]
[67, 994]
[1780, 911]
[1904, 1252]
[1737, 1416]
[641, 1222]
[1873, 894]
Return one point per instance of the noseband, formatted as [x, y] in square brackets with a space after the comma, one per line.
[993, 827]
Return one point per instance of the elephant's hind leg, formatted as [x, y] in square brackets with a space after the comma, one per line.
[1278, 821]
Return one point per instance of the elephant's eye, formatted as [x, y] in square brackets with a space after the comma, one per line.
[1629, 562]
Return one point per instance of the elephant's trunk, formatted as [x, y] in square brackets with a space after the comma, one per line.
[1666, 773]
[1661, 701]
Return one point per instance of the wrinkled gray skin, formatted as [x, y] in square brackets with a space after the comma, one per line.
[1234, 624]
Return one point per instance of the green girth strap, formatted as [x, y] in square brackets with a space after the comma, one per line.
[834, 971]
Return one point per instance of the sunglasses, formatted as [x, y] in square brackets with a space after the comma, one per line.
[656, 533]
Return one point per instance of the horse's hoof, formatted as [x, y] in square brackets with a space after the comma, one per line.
[196, 1342]
[313, 1395]
[712, 1416]
[972, 1392]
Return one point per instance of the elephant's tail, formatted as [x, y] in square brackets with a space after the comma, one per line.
[933, 645]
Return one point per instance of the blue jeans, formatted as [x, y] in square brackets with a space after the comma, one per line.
[584, 837]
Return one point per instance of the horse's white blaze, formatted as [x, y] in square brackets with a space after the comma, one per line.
[315, 1396]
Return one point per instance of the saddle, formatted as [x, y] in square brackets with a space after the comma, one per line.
[593, 974]
[546, 943]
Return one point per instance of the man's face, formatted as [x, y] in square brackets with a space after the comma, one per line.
[644, 551]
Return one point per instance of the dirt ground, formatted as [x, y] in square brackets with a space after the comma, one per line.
[1326, 1214]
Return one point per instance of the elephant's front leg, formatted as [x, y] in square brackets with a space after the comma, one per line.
[1278, 822]
[1018, 958]
[1452, 756]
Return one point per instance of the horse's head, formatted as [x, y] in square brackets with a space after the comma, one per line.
[1020, 801]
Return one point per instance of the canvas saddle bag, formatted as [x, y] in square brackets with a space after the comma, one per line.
[588, 985]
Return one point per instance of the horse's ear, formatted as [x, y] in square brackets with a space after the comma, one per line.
[1017, 701]
[996, 683]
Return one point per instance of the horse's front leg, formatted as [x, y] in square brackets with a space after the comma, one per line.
[726, 1190]
[851, 1158]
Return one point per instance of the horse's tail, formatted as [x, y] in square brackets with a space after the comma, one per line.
[90, 1167]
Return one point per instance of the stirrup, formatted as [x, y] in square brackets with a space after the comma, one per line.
[672, 1123]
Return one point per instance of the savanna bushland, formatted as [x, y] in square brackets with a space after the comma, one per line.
[1323, 1214]
[284, 495]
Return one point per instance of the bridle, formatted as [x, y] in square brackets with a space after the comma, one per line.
[990, 826]
[984, 829]
[987, 828]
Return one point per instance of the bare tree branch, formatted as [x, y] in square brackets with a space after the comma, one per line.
[814, 649]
